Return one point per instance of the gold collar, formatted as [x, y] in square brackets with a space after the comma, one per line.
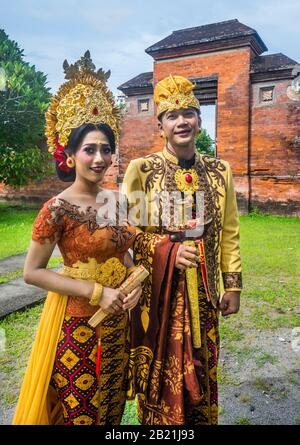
[169, 156]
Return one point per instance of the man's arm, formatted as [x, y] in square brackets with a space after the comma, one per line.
[230, 252]
[131, 184]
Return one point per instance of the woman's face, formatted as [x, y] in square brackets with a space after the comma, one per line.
[93, 156]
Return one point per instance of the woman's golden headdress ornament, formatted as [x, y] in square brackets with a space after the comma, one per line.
[83, 99]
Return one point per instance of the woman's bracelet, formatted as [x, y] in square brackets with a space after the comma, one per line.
[96, 295]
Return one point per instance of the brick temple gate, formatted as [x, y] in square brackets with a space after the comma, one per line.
[258, 124]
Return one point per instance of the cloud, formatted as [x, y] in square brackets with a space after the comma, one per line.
[117, 32]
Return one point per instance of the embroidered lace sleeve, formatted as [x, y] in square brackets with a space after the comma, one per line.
[48, 224]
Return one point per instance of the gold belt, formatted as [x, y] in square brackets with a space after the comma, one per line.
[111, 273]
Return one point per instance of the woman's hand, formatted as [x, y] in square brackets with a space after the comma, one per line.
[111, 300]
[186, 257]
[132, 299]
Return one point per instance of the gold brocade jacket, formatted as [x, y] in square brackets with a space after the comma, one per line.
[156, 173]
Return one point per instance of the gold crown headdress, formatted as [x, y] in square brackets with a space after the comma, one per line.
[174, 93]
[83, 99]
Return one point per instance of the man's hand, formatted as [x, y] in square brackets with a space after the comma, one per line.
[186, 257]
[230, 303]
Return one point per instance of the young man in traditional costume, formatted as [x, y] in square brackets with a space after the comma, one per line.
[175, 339]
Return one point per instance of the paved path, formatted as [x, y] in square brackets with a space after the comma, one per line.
[16, 294]
[16, 262]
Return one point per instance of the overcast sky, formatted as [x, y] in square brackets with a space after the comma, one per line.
[117, 32]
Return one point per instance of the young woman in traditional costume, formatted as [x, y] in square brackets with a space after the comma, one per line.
[76, 374]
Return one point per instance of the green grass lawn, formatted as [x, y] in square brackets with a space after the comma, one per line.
[15, 234]
[15, 228]
[270, 249]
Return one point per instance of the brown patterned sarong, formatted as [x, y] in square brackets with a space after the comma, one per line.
[176, 384]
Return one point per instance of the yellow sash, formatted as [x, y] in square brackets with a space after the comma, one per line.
[34, 405]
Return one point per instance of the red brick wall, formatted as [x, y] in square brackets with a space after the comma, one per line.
[36, 191]
[140, 135]
[232, 68]
[275, 157]
[274, 127]
[278, 196]
[137, 132]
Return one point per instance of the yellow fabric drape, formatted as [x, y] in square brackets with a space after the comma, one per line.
[32, 407]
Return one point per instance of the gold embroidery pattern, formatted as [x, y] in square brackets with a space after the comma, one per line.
[206, 412]
[172, 378]
[85, 381]
[214, 178]
[177, 305]
[72, 401]
[69, 359]
[83, 334]
[155, 166]
[188, 366]
[83, 420]
[60, 380]
[160, 415]
[114, 368]
[232, 280]
[156, 370]
[145, 246]
[138, 370]
[209, 171]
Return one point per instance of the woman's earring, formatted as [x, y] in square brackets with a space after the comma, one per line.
[70, 162]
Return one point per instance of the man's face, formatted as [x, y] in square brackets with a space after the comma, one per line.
[180, 126]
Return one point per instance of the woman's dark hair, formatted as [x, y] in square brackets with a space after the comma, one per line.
[75, 139]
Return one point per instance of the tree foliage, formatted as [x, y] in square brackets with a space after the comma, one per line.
[205, 144]
[18, 168]
[23, 102]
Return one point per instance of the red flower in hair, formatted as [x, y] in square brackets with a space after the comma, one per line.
[60, 156]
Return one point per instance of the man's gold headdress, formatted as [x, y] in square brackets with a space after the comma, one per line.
[83, 99]
[174, 93]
